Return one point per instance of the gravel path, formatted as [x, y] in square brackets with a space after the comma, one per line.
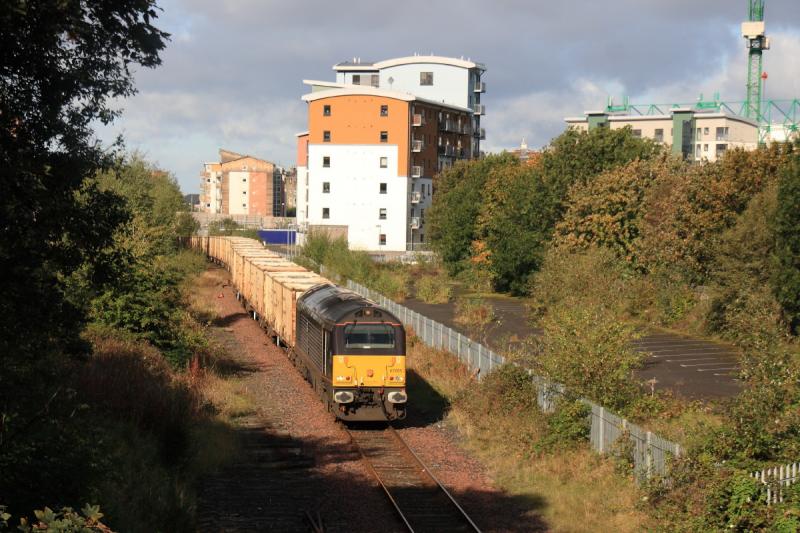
[296, 458]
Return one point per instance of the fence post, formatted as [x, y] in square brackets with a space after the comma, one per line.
[458, 341]
[602, 432]
[648, 458]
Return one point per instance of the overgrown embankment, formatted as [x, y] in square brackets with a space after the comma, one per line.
[119, 419]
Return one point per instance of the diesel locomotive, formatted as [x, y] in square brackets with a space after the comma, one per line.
[349, 349]
[353, 354]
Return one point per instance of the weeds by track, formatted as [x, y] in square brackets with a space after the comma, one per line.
[421, 501]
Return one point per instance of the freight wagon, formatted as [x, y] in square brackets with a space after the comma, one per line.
[349, 349]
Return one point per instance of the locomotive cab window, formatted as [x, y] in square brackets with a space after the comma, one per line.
[368, 336]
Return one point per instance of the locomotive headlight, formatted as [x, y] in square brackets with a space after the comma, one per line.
[397, 397]
[344, 397]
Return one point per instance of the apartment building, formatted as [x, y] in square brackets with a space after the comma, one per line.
[697, 135]
[211, 188]
[241, 185]
[448, 80]
[365, 166]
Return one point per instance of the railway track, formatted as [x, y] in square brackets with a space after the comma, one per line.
[424, 505]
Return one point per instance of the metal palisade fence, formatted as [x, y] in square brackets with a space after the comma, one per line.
[650, 454]
[776, 479]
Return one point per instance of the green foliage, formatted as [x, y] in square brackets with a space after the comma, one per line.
[515, 224]
[228, 226]
[737, 504]
[586, 348]
[66, 520]
[64, 64]
[576, 157]
[342, 263]
[786, 277]
[595, 276]
[497, 216]
[433, 289]
[607, 211]
[456, 205]
[687, 212]
[568, 426]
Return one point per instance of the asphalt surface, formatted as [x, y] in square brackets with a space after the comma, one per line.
[692, 368]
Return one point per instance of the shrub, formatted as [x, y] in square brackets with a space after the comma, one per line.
[595, 276]
[474, 313]
[586, 348]
[568, 426]
[433, 289]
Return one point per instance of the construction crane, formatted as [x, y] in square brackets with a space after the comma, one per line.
[757, 42]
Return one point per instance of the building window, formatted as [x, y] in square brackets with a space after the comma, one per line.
[374, 80]
[699, 136]
[326, 110]
[659, 135]
[326, 136]
[637, 133]
[383, 188]
[382, 213]
[426, 78]
[705, 131]
[721, 149]
[384, 162]
[722, 134]
[326, 187]
[326, 161]
[421, 237]
[382, 239]
[326, 212]
[384, 110]
[356, 79]
[705, 148]
[384, 136]
[697, 152]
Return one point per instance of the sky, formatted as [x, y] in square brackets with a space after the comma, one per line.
[232, 71]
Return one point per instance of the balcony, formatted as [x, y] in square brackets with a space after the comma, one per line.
[416, 171]
[479, 109]
[416, 145]
[479, 133]
[480, 87]
[418, 120]
[415, 197]
[414, 223]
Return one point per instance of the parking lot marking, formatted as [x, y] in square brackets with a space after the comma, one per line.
[695, 359]
[673, 355]
[706, 364]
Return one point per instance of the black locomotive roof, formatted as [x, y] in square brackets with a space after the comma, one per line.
[330, 305]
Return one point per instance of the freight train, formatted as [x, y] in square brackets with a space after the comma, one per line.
[349, 349]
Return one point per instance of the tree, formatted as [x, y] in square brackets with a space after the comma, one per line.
[607, 211]
[686, 213]
[515, 224]
[786, 277]
[456, 205]
[576, 157]
[61, 65]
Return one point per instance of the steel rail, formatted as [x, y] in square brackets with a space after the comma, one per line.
[362, 439]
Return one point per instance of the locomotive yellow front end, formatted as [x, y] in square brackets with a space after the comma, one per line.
[368, 371]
